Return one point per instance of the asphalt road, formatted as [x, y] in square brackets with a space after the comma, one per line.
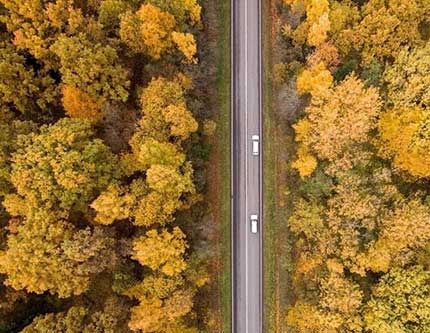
[247, 309]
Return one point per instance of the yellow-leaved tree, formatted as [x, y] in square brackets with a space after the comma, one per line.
[155, 32]
[162, 250]
[338, 120]
[405, 138]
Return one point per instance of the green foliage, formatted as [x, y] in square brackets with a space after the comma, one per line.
[372, 74]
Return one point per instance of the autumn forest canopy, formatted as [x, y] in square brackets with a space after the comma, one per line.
[102, 155]
[106, 132]
[360, 171]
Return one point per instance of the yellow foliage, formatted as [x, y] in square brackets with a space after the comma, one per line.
[404, 228]
[317, 23]
[162, 251]
[338, 118]
[305, 163]
[314, 79]
[386, 26]
[195, 12]
[113, 204]
[78, 104]
[317, 15]
[309, 319]
[181, 120]
[327, 54]
[148, 30]
[405, 137]
[186, 43]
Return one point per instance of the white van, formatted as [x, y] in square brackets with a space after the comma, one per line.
[254, 223]
[255, 144]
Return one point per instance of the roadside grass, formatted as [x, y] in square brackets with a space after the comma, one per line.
[223, 136]
[218, 16]
[278, 147]
[269, 232]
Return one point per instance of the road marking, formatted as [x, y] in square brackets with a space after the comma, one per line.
[246, 167]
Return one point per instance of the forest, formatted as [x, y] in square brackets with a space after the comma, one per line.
[354, 77]
[104, 134]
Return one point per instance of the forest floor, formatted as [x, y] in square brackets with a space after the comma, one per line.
[278, 151]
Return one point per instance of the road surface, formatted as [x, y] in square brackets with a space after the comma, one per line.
[247, 308]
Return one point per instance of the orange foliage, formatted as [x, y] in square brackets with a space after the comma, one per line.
[78, 104]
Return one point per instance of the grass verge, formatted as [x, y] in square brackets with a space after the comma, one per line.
[269, 283]
[223, 133]
[219, 169]
[277, 151]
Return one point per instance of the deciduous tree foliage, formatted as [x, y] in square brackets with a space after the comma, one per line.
[36, 25]
[80, 319]
[408, 78]
[148, 30]
[79, 104]
[386, 26]
[405, 138]
[8, 144]
[91, 67]
[360, 210]
[21, 89]
[400, 302]
[185, 11]
[317, 24]
[110, 12]
[337, 121]
[75, 69]
[61, 168]
[162, 250]
[155, 315]
[48, 254]
[155, 32]
[402, 230]
[165, 113]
